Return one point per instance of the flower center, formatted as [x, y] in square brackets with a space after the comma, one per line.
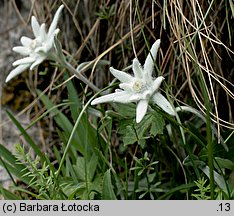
[33, 44]
[137, 86]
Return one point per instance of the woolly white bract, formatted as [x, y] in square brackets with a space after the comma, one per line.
[140, 88]
[38, 49]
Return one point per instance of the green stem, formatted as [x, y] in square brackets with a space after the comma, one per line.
[74, 130]
[210, 144]
[126, 177]
[71, 136]
[85, 160]
[210, 152]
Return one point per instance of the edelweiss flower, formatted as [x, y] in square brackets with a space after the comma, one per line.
[38, 49]
[141, 88]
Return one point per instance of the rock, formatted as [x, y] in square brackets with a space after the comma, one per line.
[11, 29]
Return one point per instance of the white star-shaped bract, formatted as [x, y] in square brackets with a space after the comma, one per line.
[140, 88]
[38, 49]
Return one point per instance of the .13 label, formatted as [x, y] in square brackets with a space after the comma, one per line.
[224, 207]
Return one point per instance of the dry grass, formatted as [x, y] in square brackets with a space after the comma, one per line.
[200, 32]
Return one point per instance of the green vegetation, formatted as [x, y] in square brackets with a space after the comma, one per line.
[100, 152]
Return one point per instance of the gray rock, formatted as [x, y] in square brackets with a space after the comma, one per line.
[11, 30]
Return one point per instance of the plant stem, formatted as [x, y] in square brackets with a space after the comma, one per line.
[71, 136]
[70, 68]
[210, 144]
[210, 152]
[60, 58]
[74, 130]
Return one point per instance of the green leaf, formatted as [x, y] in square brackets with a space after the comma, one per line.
[86, 132]
[91, 168]
[151, 125]
[8, 156]
[70, 170]
[107, 189]
[220, 181]
[15, 169]
[57, 153]
[182, 188]
[7, 194]
[64, 136]
[80, 168]
[63, 122]
[193, 160]
[27, 137]
[125, 110]
[224, 163]
[129, 134]
[75, 103]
